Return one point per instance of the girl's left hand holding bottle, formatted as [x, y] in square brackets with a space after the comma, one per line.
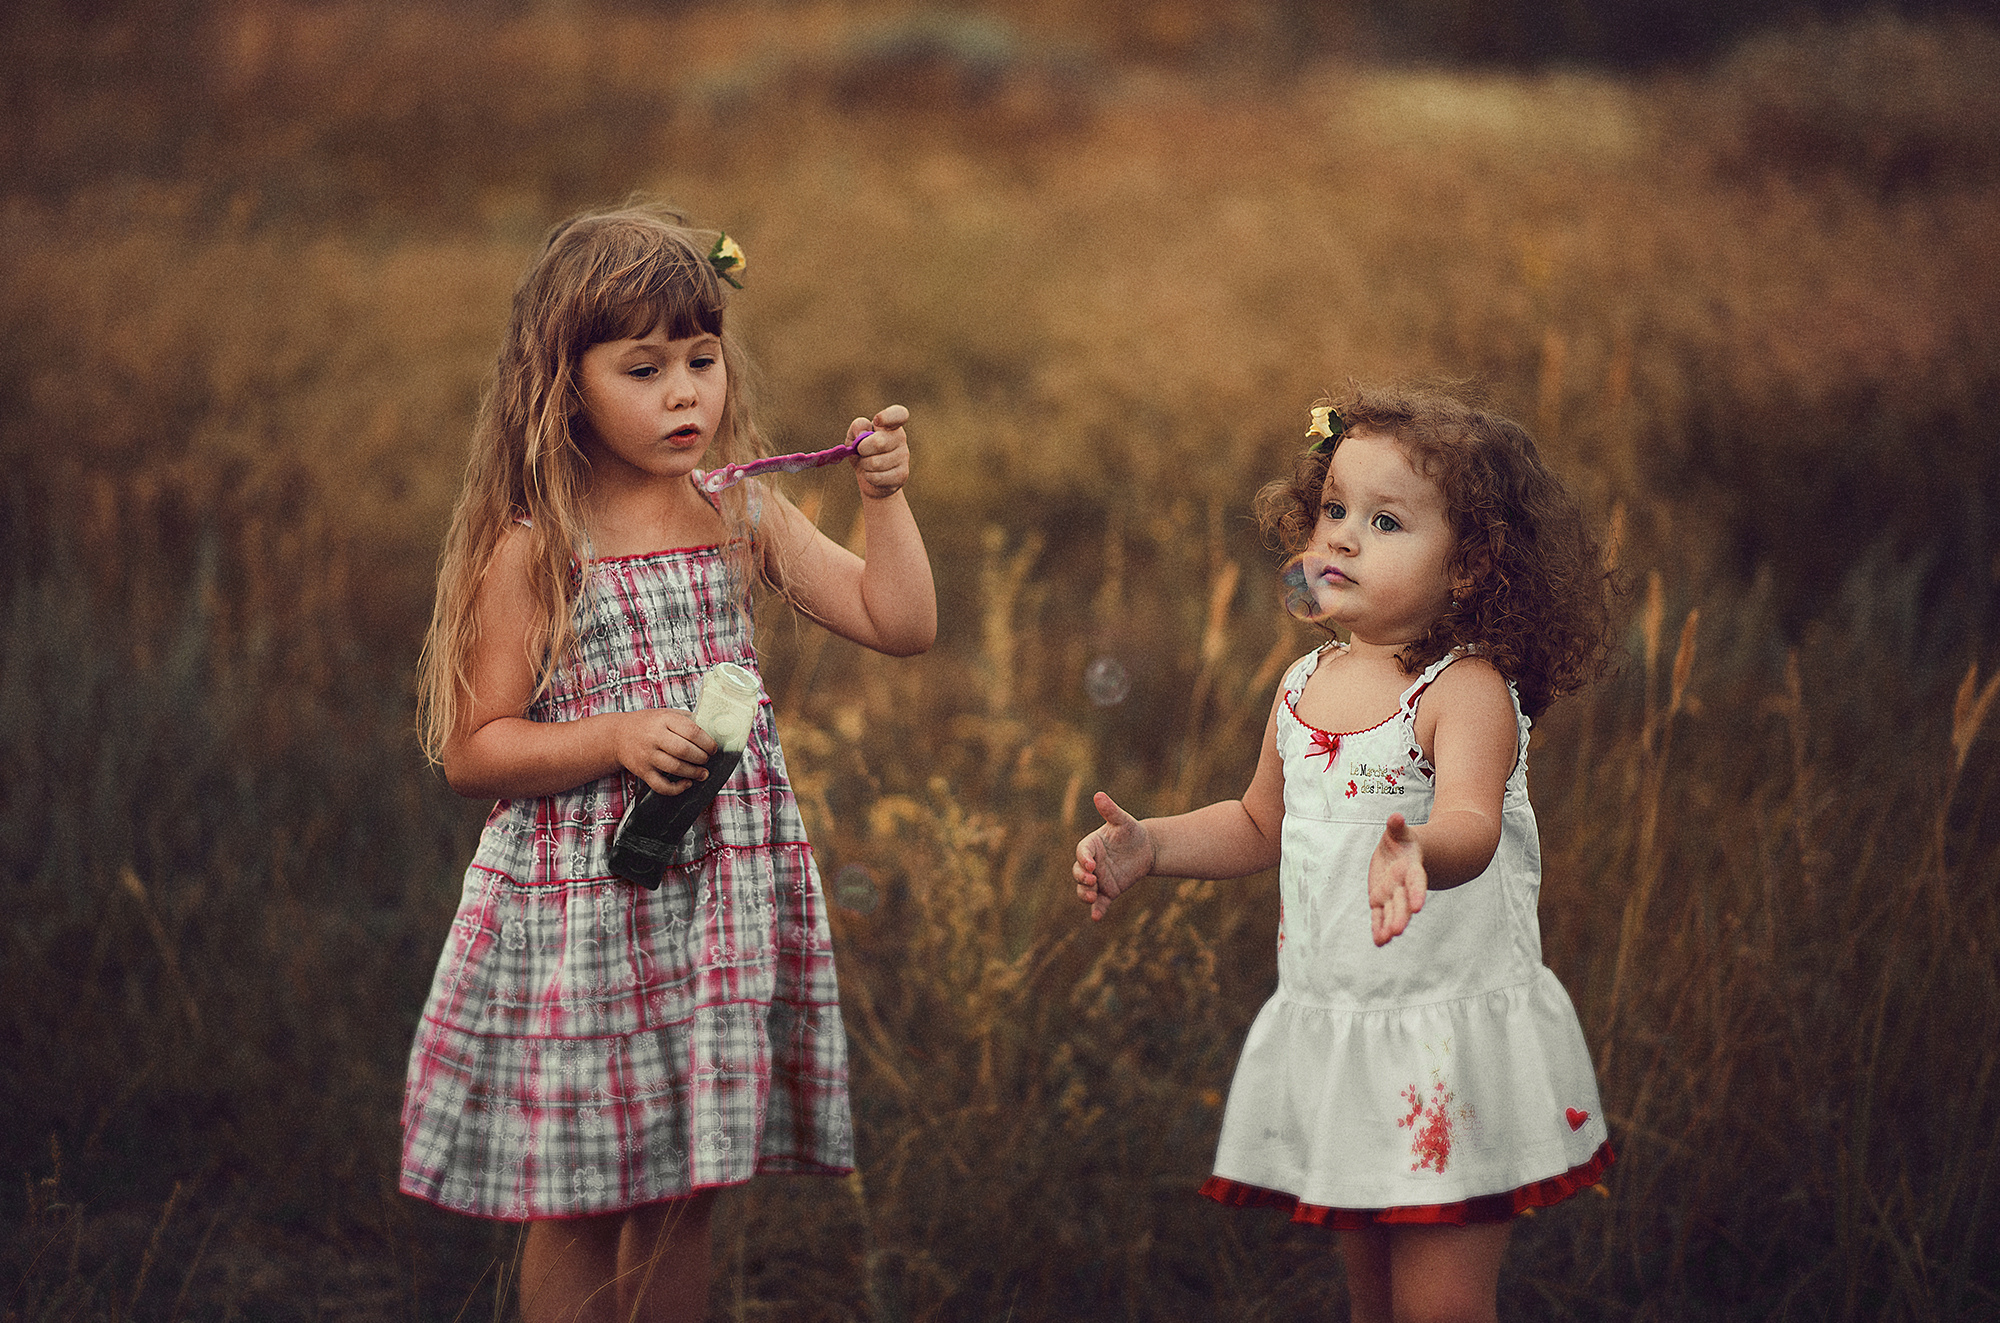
[882, 460]
[1397, 882]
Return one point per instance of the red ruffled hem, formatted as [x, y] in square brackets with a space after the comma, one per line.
[1486, 1208]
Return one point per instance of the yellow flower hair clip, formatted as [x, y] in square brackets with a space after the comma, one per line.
[1326, 428]
[728, 260]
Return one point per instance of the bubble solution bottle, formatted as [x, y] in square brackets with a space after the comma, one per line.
[650, 835]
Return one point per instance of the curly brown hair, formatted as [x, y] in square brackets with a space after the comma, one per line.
[1538, 607]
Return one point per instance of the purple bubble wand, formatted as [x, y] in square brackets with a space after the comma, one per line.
[729, 475]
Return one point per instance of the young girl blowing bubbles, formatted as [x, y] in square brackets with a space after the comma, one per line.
[1419, 1077]
[597, 1058]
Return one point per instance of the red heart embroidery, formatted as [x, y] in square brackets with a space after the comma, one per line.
[1575, 1118]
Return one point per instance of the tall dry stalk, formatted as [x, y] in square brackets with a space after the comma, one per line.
[1002, 575]
[1196, 741]
[1655, 745]
[1968, 718]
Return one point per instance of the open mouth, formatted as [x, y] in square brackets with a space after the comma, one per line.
[682, 436]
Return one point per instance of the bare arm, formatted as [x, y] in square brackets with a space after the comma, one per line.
[1474, 741]
[1230, 838]
[888, 601]
[498, 753]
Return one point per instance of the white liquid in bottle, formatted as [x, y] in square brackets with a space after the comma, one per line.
[727, 707]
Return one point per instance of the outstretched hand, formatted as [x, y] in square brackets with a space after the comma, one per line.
[1397, 883]
[882, 459]
[1112, 858]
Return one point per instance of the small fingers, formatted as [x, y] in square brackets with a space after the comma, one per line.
[872, 437]
[1083, 870]
[671, 772]
[665, 784]
[1391, 916]
[1090, 889]
[663, 748]
[882, 451]
[688, 733]
[881, 476]
[1388, 922]
[1108, 860]
[685, 766]
[1088, 892]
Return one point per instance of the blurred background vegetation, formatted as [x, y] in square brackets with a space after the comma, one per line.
[1739, 271]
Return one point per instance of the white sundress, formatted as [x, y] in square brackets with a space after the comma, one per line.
[1442, 1077]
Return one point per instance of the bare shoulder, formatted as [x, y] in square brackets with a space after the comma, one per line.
[775, 510]
[1470, 681]
[778, 524]
[516, 541]
[1468, 696]
[505, 595]
[794, 552]
[511, 557]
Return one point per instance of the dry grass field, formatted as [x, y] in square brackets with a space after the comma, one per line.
[256, 260]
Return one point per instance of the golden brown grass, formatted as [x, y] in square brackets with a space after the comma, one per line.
[257, 260]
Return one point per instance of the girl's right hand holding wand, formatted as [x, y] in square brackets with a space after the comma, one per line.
[882, 455]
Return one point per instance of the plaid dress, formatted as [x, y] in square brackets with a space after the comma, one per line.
[589, 1046]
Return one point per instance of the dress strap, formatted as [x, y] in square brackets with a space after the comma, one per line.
[753, 500]
[1408, 707]
[578, 564]
[1435, 669]
[713, 498]
[1302, 670]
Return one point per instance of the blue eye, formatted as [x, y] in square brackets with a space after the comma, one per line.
[1385, 523]
[1334, 510]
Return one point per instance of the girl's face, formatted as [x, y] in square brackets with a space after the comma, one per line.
[1378, 564]
[651, 405]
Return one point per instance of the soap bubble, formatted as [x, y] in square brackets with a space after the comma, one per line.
[1106, 682]
[854, 888]
[1306, 593]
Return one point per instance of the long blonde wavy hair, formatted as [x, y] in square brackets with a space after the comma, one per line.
[600, 276]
